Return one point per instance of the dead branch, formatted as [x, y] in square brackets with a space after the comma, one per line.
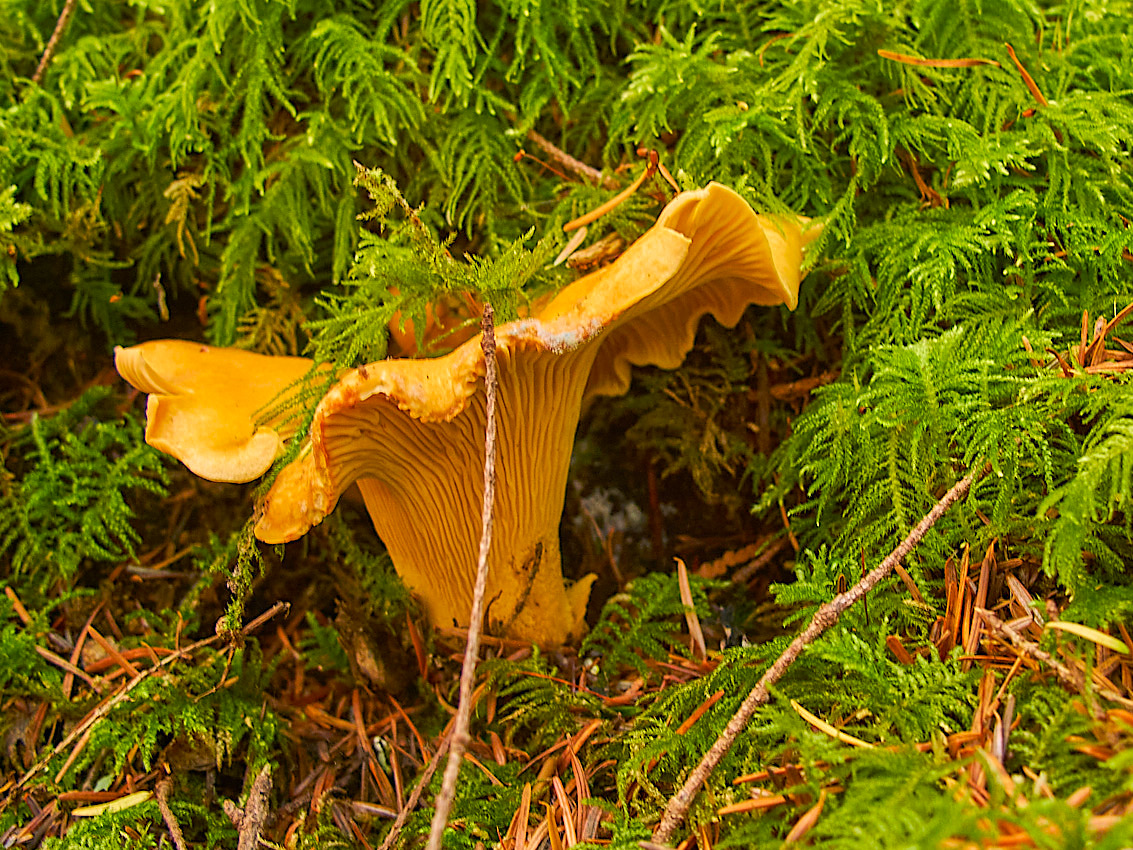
[824, 618]
[53, 42]
[1071, 679]
[588, 173]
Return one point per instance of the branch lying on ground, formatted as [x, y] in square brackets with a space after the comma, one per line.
[1071, 679]
[104, 708]
[824, 618]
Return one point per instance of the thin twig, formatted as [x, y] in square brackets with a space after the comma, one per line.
[53, 42]
[1072, 679]
[824, 618]
[104, 708]
[472, 651]
[162, 793]
[568, 162]
[415, 795]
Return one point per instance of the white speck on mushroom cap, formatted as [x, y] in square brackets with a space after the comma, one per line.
[559, 337]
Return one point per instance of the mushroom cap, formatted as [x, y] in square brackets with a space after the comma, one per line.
[411, 432]
[204, 402]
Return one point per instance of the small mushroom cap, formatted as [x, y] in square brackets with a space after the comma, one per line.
[204, 402]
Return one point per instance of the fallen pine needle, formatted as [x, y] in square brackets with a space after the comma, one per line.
[966, 62]
[824, 727]
[753, 805]
[807, 821]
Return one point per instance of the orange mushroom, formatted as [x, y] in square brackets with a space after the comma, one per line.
[410, 433]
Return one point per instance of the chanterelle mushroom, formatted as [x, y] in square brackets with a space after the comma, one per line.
[410, 433]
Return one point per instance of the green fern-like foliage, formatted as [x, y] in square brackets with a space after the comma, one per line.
[203, 713]
[1093, 506]
[78, 478]
[536, 709]
[641, 623]
[138, 826]
[198, 161]
[11, 214]
[407, 271]
[22, 670]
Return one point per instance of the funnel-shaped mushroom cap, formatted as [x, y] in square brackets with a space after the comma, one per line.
[411, 432]
[203, 403]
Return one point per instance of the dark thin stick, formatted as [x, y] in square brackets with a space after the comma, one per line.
[1071, 679]
[162, 794]
[53, 42]
[588, 173]
[459, 740]
[415, 795]
[107, 706]
[824, 618]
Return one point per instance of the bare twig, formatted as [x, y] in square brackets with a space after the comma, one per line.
[53, 42]
[1071, 679]
[824, 618]
[593, 175]
[104, 708]
[162, 794]
[415, 795]
[472, 651]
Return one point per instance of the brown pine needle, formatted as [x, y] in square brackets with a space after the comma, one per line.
[905, 59]
[699, 649]
[807, 821]
[610, 205]
[1027, 78]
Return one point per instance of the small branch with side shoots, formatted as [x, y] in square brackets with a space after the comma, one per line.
[104, 708]
[53, 42]
[459, 740]
[1073, 680]
[823, 619]
[586, 172]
